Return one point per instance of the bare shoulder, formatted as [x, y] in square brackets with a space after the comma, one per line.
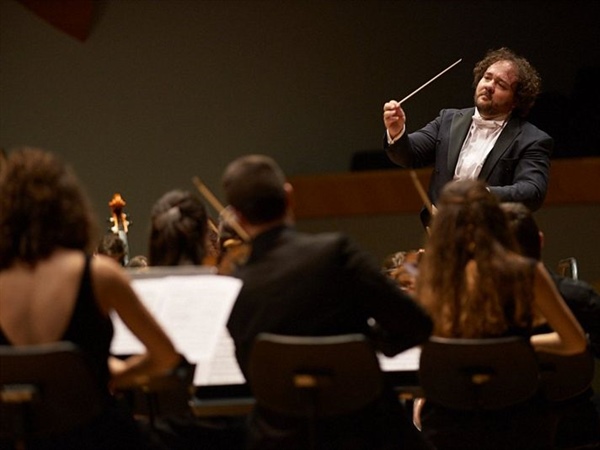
[542, 273]
[109, 278]
[111, 284]
[105, 269]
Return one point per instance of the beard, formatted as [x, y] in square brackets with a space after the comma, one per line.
[485, 105]
[488, 109]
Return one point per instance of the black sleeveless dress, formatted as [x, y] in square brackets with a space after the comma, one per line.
[92, 332]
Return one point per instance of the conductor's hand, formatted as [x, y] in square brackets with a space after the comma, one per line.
[393, 118]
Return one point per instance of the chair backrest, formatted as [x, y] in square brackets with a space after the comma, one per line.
[44, 389]
[567, 267]
[314, 376]
[565, 376]
[478, 374]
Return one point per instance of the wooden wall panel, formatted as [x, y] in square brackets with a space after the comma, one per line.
[572, 181]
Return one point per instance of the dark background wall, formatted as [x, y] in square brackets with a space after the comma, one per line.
[164, 90]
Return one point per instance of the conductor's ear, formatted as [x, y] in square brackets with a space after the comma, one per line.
[289, 193]
[289, 199]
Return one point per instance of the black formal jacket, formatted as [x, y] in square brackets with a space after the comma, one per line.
[516, 169]
[319, 285]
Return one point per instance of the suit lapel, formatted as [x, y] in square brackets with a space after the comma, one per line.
[458, 132]
[511, 130]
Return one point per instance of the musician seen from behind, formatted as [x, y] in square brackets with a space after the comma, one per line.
[52, 289]
[476, 285]
[179, 225]
[579, 426]
[179, 237]
[313, 285]
[112, 246]
[491, 141]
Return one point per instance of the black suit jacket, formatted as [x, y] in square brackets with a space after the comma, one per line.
[320, 285]
[516, 169]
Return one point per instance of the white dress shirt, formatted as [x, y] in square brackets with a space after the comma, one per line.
[480, 140]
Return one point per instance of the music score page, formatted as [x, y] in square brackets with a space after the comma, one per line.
[193, 310]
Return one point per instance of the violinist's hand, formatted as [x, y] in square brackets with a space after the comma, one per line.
[393, 118]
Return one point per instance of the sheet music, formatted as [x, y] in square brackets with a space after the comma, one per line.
[193, 309]
[224, 368]
[407, 361]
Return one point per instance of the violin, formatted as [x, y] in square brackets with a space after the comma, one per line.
[233, 241]
[234, 253]
[119, 221]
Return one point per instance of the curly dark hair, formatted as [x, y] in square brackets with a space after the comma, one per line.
[43, 207]
[529, 81]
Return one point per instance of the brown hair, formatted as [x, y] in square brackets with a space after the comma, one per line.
[178, 233]
[524, 228]
[254, 185]
[42, 207]
[470, 229]
[529, 81]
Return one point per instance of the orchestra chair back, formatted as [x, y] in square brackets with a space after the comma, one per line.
[314, 377]
[46, 389]
[478, 374]
[563, 377]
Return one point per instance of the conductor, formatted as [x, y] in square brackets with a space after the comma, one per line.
[490, 141]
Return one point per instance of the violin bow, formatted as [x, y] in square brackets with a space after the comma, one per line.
[430, 81]
[209, 196]
[413, 174]
[421, 191]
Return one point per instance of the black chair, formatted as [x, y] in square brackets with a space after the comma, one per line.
[46, 389]
[314, 377]
[478, 374]
[565, 376]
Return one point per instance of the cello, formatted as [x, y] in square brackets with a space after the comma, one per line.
[119, 222]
